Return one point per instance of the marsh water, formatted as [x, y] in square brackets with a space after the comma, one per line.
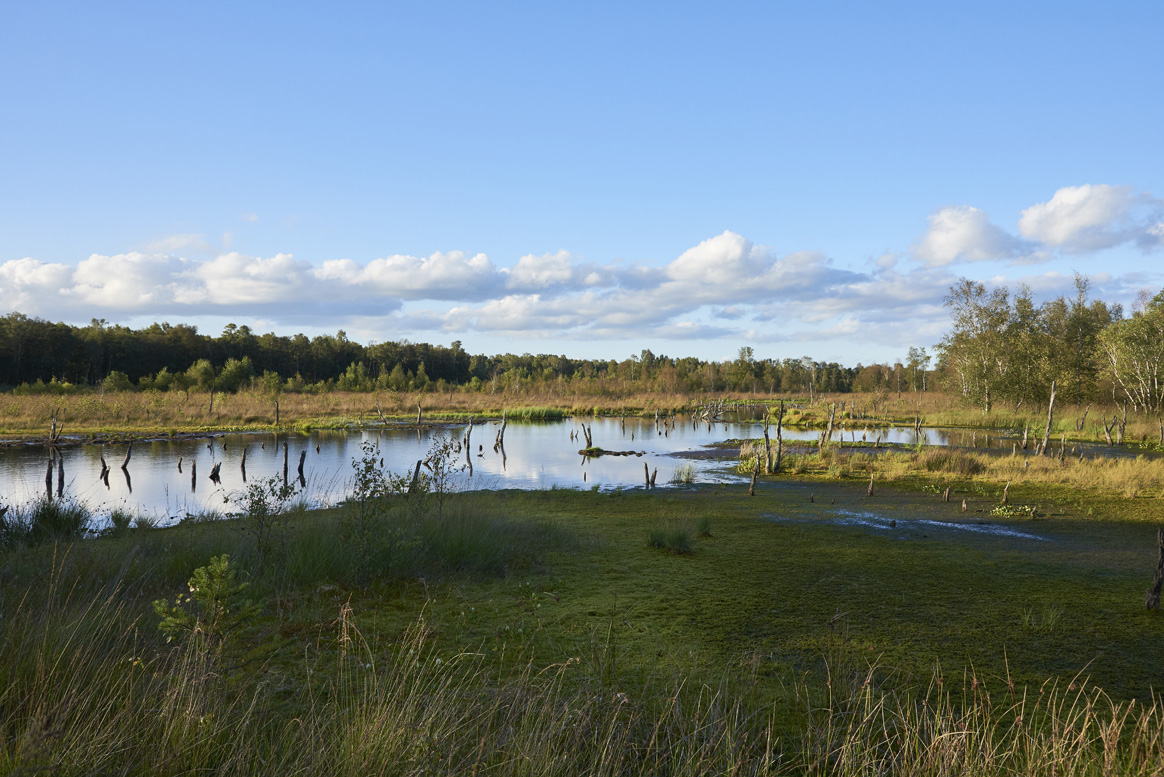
[168, 479]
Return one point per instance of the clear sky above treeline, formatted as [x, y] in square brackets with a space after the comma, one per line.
[591, 179]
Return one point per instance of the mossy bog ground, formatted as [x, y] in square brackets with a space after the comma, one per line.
[806, 571]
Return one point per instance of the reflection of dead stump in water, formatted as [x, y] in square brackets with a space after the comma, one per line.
[1152, 601]
[214, 473]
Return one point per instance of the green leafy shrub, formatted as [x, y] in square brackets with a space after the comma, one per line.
[263, 511]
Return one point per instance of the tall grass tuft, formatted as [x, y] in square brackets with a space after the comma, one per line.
[950, 460]
[45, 520]
[673, 539]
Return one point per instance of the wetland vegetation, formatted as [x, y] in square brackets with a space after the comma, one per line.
[861, 609]
[810, 629]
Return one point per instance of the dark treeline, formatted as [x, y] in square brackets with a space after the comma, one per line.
[38, 355]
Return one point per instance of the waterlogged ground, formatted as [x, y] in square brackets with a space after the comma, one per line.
[807, 572]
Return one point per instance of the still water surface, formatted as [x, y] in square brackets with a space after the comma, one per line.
[535, 456]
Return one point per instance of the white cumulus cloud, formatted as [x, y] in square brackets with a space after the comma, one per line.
[962, 233]
[1091, 217]
[540, 272]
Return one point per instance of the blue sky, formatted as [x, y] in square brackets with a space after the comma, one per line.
[590, 180]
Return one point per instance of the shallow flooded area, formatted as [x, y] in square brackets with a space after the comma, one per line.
[168, 479]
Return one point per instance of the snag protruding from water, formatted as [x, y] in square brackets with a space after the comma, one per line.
[1050, 418]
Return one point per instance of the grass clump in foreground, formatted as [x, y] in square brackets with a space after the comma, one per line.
[45, 520]
[673, 539]
[517, 633]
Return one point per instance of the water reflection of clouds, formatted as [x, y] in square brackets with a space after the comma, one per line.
[536, 455]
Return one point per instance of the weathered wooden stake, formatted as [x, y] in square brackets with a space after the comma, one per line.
[779, 437]
[870, 491]
[767, 449]
[946, 494]
[284, 462]
[415, 478]
[755, 474]
[647, 474]
[1006, 493]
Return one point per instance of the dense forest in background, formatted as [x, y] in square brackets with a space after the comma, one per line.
[1001, 348]
[37, 355]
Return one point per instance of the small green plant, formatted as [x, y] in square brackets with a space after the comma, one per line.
[1014, 511]
[215, 607]
[145, 523]
[443, 467]
[1047, 620]
[684, 474]
[262, 513]
[120, 522]
[747, 465]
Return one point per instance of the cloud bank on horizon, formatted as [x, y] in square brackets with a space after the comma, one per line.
[725, 288]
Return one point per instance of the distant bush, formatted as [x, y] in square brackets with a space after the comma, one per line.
[53, 387]
[117, 381]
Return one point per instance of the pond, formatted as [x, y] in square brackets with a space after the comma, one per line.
[168, 479]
